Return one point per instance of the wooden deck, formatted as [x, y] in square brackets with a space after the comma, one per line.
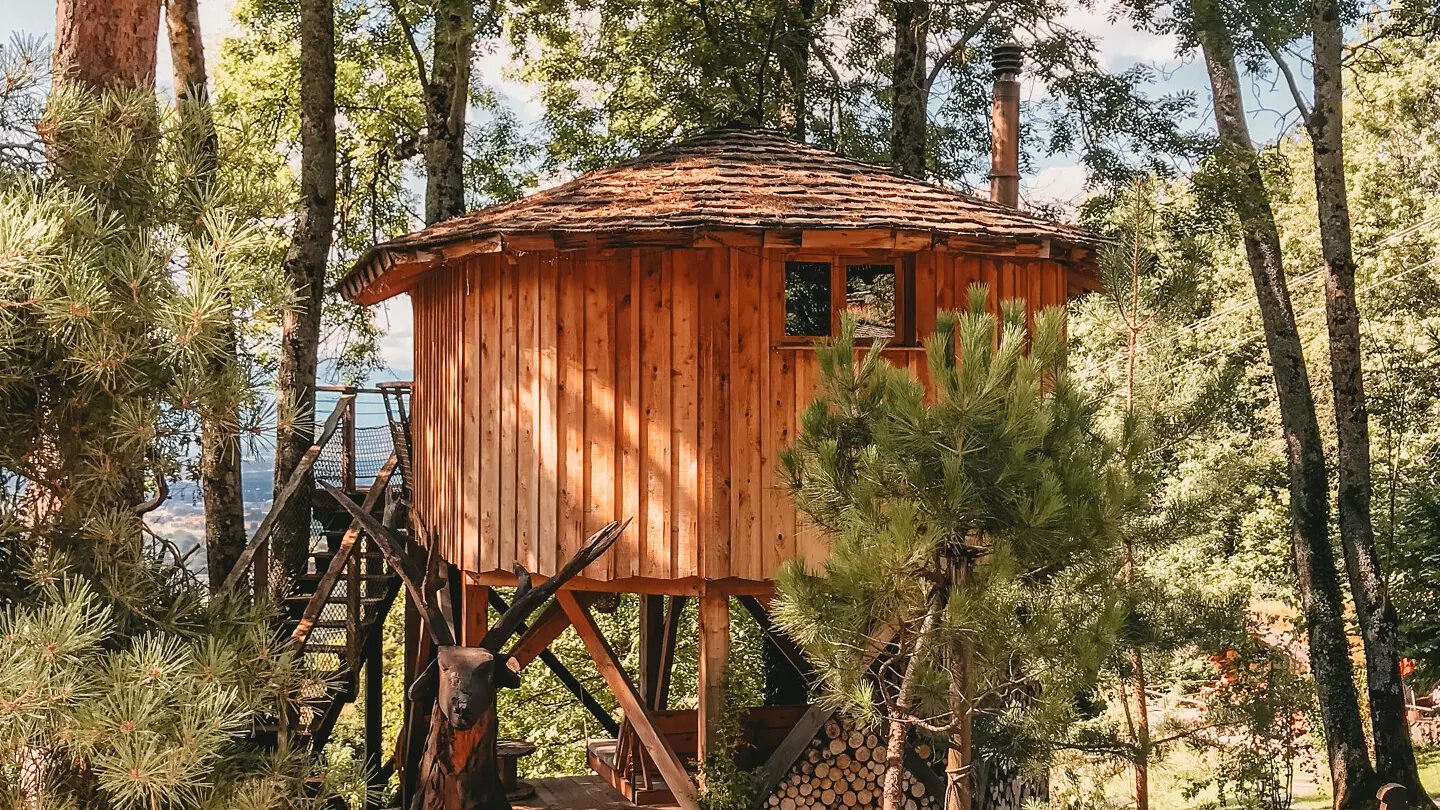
[577, 793]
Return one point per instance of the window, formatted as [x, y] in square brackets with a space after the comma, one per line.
[876, 290]
[870, 297]
[807, 299]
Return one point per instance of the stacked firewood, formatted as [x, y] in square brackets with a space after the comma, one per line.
[844, 767]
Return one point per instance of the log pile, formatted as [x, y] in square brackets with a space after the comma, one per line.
[843, 768]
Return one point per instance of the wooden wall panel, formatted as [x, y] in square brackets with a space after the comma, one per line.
[490, 407]
[656, 506]
[508, 413]
[471, 405]
[601, 407]
[528, 431]
[685, 418]
[715, 413]
[748, 354]
[555, 392]
[625, 275]
[547, 422]
[570, 329]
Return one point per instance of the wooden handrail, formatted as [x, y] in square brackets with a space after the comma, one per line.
[348, 544]
[292, 485]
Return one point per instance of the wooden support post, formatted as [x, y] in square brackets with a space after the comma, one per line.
[475, 614]
[374, 706]
[347, 445]
[419, 651]
[667, 651]
[652, 642]
[659, 748]
[714, 656]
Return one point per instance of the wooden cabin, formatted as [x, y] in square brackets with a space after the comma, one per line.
[636, 343]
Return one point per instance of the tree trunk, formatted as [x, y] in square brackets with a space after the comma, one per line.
[1352, 777]
[220, 482]
[799, 68]
[909, 123]
[106, 43]
[1379, 624]
[959, 780]
[305, 265]
[446, 100]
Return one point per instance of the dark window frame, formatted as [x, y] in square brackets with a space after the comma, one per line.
[904, 264]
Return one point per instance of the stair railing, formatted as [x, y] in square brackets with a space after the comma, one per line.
[346, 562]
[255, 559]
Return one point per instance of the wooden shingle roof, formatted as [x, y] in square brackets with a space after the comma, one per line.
[723, 180]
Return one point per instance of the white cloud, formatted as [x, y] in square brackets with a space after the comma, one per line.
[1121, 44]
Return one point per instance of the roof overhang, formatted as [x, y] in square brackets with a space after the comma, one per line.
[389, 269]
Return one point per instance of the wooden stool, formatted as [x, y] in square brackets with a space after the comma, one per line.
[507, 760]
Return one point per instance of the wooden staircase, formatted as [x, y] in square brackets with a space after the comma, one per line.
[332, 614]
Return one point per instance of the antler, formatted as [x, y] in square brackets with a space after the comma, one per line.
[528, 601]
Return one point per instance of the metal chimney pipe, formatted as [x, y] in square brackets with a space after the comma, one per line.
[1005, 126]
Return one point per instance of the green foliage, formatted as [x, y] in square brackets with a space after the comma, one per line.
[724, 784]
[619, 77]
[120, 685]
[1004, 468]
[379, 136]
[108, 715]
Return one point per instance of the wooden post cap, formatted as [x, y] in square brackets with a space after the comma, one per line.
[1393, 797]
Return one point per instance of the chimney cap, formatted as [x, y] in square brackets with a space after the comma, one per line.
[1007, 60]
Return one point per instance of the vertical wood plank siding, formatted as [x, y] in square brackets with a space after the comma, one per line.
[555, 392]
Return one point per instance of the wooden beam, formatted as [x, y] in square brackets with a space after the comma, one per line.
[470, 247]
[790, 749]
[297, 478]
[847, 239]
[538, 637]
[659, 748]
[782, 642]
[714, 659]
[533, 242]
[652, 640]
[563, 674]
[667, 651]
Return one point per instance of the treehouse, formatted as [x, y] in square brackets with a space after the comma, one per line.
[636, 343]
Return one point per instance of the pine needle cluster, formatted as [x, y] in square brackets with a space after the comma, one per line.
[971, 526]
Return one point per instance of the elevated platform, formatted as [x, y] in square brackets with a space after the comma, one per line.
[577, 793]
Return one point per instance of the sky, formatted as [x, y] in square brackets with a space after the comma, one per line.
[1055, 180]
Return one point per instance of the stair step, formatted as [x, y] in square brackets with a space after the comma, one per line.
[327, 649]
[304, 599]
[314, 578]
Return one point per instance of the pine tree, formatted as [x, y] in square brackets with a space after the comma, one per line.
[974, 536]
[121, 685]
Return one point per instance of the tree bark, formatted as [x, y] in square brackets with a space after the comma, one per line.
[959, 759]
[1379, 624]
[1352, 778]
[220, 482]
[446, 100]
[802, 38]
[305, 265]
[106, 43]
[909, 123]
